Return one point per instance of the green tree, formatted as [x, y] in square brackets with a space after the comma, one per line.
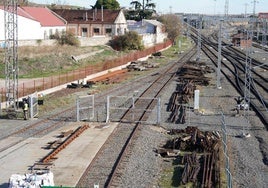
[172, 24]
[141, 11]
[107, 4]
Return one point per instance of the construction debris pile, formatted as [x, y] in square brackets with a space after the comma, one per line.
[198, 151]
[35, 180]
[79, 84]
[179, 101]
[192, 139]
[141, 65]
[195, 71]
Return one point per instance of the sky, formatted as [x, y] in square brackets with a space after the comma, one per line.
[183, 6]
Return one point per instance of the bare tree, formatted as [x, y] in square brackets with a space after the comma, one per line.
[172, 24]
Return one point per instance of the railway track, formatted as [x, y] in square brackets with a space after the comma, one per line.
[44, 125]
[117, 148]
[234, 70]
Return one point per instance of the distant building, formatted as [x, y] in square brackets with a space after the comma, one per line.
[146, 26]
[94, 22]
[34, 23]
[152, 31]
[263, 15]
[241, 39]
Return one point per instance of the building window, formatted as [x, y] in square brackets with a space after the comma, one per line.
[108, 30]
[96, 31]
[84, 32]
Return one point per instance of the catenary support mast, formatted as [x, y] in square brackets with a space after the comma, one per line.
[11, 55]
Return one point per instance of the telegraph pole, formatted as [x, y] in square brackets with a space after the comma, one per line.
[226, 8]
[11, 55]
[246, 6]
[199, 39]
[248, 78]
[254, 6]
[219, 56]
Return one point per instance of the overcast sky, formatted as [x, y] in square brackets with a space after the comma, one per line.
[185, 6]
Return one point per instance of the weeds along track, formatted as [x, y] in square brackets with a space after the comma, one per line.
[234, 69]
[108, 165]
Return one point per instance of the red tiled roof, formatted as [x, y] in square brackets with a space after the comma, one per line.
[87, 16]
[44, 16]
[22, 13]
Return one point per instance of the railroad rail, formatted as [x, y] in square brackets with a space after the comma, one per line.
[236, 67]
[108, 175]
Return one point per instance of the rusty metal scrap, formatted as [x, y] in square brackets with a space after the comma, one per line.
[196, 72]
[200, 166]
[191, 168]
[192, 139]
[179, 101]
[62, 145]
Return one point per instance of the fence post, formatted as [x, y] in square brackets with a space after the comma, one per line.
[77, 109]
[107, 109]
[158, 111]
[23, 89]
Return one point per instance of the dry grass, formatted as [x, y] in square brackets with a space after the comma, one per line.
[42, 61]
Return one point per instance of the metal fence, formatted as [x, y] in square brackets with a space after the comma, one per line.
[118, 105]
[225, 152]
[85, 108]
[43, 83]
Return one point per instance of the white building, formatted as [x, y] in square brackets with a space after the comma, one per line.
[34, 23]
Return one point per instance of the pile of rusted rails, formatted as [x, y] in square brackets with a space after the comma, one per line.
[189, 75]
[179, 102]
[191, 168]
[201, 164]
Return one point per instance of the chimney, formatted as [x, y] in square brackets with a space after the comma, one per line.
[102, 13]
[93, 15]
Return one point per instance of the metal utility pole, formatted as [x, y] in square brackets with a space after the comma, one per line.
[11, 55]
[215, 1]
[226, 8]
[264, 32]
[188, 26]
[254, 7]
[219, 56]
[248, 77]
[246, 6]
[199, 39]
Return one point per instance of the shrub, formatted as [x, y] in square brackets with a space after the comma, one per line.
[129, 41]
[67, 38]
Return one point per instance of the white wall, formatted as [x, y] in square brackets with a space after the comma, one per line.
[27, 28]
[152, 39]
[120, 26]
[47, 31]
